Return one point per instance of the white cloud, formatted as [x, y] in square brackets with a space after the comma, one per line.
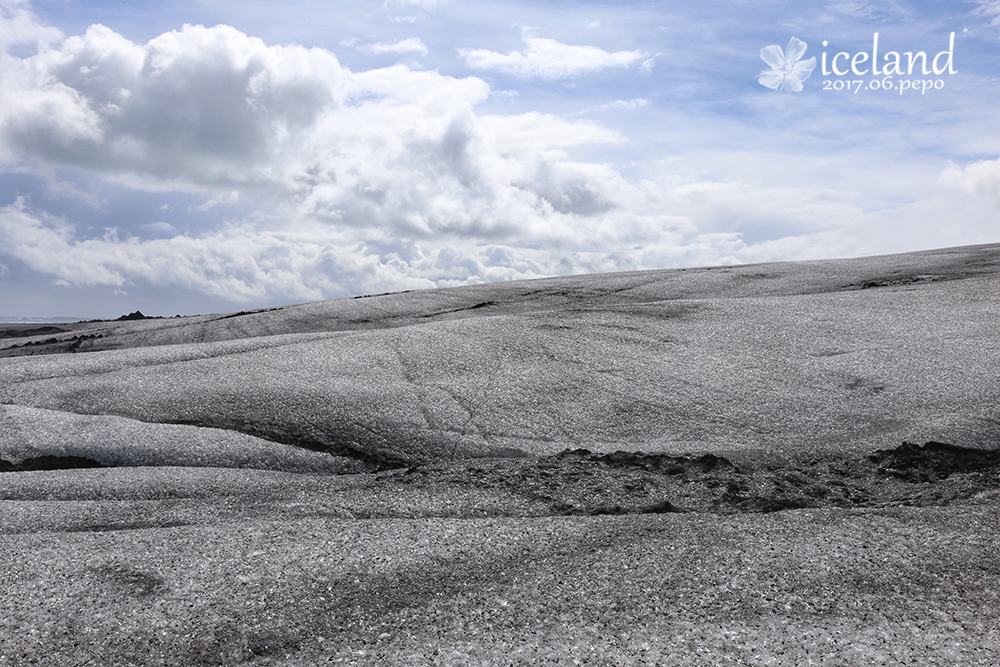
[236, 263]
[220, 199]
[649, 63]
[19, 25]
[213, 111]
[624, 105]
[981, 178]
[989, 10]
[549, 59]
[411, 45]
[244, 264]
[338, 159]
[192, 109]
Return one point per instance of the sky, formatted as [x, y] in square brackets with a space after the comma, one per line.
[190, 156]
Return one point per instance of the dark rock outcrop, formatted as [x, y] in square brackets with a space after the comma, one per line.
[933, 461]
[48, 462]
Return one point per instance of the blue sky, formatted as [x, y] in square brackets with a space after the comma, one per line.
[190, 157]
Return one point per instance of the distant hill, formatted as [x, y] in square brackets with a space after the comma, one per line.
[784, 358]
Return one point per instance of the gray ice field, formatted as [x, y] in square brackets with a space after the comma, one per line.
[679, 467]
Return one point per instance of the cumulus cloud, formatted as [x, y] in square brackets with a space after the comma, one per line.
[411, 45]
[342, 162]
[549, 59]
[181, 112]
[213, 111]
[981, 178]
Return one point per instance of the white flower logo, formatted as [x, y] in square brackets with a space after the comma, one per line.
[786, 72]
